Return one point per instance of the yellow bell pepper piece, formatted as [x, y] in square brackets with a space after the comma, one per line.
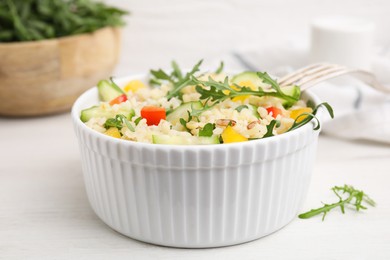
[134, 85]
[113, 132]
[244, 84]
[229, 135]
[297, 112]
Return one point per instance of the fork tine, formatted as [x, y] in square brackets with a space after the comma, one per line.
[299, 71]
[321, 75]
[308, 72]
[316, 73]
[319, 78]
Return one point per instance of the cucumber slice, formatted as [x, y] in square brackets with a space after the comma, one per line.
[182, 111]
[249, 76]
[184, 140]
[292, 91]
[251, 108]
[254, 110]
[108, 90]
[98, 112]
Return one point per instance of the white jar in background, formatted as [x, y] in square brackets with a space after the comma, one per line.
[342, 40]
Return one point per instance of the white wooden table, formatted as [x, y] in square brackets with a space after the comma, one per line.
[44, 211]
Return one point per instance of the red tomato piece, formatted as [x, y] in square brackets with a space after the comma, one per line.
[274, 111]
[153, 115]
[118, 99]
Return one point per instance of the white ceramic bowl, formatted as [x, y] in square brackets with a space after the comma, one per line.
[195, 196]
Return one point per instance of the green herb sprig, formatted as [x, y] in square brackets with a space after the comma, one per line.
[176, 78]
[207, 130]
[32, 20]
[220, 91]
[307, 117]
[118, 122]
[220, 68]
[270, 128]
[354, 198]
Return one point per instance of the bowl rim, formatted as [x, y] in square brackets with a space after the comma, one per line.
[78, 106]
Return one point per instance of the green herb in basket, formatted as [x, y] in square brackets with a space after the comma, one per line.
[32, 20]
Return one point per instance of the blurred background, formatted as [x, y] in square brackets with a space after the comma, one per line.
[158, 31]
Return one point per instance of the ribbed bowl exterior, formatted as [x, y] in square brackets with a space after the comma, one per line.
[195, 196]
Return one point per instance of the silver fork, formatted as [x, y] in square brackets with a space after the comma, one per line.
[316, 73]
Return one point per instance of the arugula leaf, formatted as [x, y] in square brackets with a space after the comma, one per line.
[176, 71]
[176, 78]
[160, 74]
[129, 126]
[136, 121]
[268, 80]
[184, 124]
[270, 128]
[207, 130]
[112, 122]
[220, 91]
[220, 68]
[307, 117]
[184, 82]
[118, 122]
[212, 90]
[239, 108]
[355, 198]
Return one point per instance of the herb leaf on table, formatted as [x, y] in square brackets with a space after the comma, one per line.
[355, 198]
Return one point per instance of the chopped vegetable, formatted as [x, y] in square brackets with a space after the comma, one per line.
[229, 135]
[183, 111]
[118, 100]
[296, 113]
[274, 111]
[153, 115]
[307, 118]
[249, 76]
[113, 131]
[98, 112]
[134, 85]
[246, 83]
[108, 90]
[180, 107]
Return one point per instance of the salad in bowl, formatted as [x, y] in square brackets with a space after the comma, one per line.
[197, 159]
[188, 108]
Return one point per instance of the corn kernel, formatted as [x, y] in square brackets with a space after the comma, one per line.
[134, 85]
[243, 84]
[229, 135]
[297, 112]
[113, 132]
